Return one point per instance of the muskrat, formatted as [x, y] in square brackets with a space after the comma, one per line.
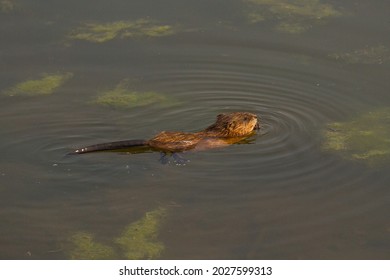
[228, 129]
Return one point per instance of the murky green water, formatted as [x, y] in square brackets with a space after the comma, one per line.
[78, 73]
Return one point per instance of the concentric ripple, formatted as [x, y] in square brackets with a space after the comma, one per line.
[293, 103]
[294, 100]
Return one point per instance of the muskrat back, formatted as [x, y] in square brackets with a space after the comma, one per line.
[228, 129]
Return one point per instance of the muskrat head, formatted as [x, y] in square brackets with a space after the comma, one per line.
[234, 124]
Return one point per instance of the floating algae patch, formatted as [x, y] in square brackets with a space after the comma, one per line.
[366, 138]
[7, 6]
[291, 16]
[46, 85]
[369, 55]
[104, 32]
[138, 241]
[124, 98]
[85, 248]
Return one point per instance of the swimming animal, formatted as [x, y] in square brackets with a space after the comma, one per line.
[228, 129]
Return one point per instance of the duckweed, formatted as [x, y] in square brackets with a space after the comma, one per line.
[124, 98]
[366, 138]
[138, 241]
[369, 55]
[104, 32]
[292, 16]
[48, 84]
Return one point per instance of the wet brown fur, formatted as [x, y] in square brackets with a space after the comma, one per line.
[228, 129]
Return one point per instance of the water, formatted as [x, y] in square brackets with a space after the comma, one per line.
[280, 197]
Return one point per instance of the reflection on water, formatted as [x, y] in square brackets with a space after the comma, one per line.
[279, 196]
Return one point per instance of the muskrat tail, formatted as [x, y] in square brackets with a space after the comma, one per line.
[110, 146]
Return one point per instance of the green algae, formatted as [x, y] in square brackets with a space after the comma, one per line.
[366, 138]
[46, 85]
[291, 16]
[138, 241]
[85, 248]
[369, 55]
[7, 6]
[104, 32]
[123, 97]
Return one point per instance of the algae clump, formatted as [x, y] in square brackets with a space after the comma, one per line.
[104, 32]
[292, 16]
[7, 6]
[369, 55]
[366, 138]
[85, 248]
[137, 242]
[124, 98]
[46, 85]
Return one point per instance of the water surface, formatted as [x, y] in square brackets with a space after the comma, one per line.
[280, 197]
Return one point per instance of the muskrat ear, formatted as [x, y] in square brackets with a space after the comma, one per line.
[220, 116]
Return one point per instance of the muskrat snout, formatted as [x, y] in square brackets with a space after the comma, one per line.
[257, 125]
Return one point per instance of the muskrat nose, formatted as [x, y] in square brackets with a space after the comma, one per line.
[257, 126]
